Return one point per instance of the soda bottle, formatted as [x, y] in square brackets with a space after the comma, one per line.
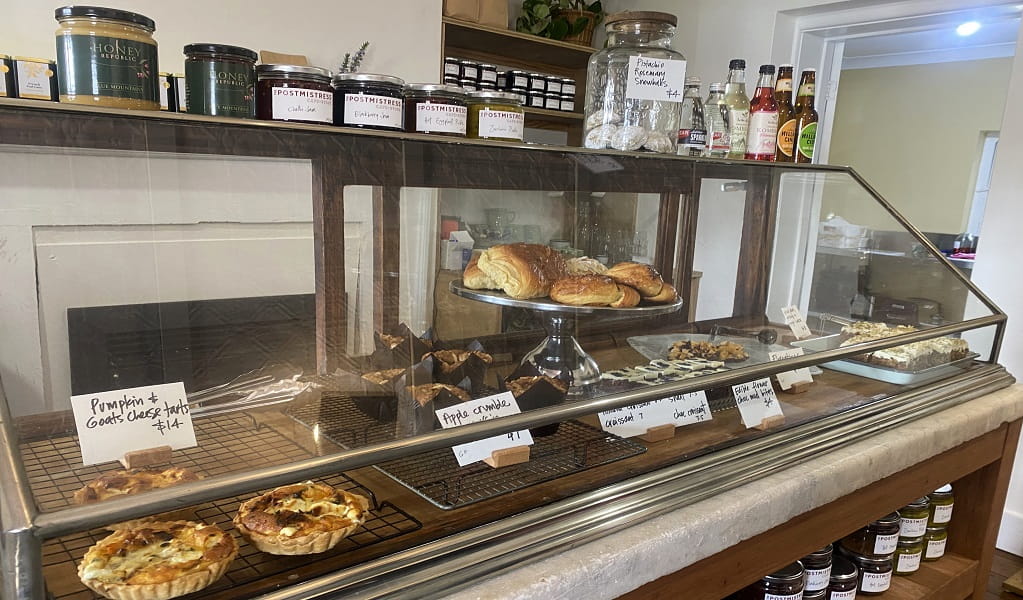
[715, 116]
[738, 108]
[762, 138]
[806, 116]
[786, 116]
[692, 137]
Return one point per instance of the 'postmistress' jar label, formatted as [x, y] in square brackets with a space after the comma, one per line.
[797, 596]
[817, 579]
[886, 544]
[441, 118]
[876, 582]
[909, 563]
[501, 124]
[840, 595]
[936, 548]
[943, 513]
[912, 528]
[373, 111]
[299, 104]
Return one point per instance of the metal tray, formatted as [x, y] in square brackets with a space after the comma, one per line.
[656, 347]
[548, 305]
[886, 374]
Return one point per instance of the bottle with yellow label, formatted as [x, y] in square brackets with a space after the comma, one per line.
[786, 116]
[806, 117]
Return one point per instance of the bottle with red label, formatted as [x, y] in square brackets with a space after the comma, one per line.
[762, 138]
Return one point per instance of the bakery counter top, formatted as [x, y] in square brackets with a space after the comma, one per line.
[623, 561]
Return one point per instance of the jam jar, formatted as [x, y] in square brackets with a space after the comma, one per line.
[907, 555]
[552, 101]
[219, 80]
[538, 82]
[432, 108]
[842, 583]
[875, 573]
[567, 86]
[488, 73]
[818, 569]
[294, 93]
[517, 79]
[495, 116]
[553, 85]
[942, 503]
[368, 101]
[934, 543]
[107, 57]
[784, 584]
[451, 67]
[879, 538]
[568, 103]
[469, 70]
[536, 100]
[914, 518]
[468, 85]
[818, 595]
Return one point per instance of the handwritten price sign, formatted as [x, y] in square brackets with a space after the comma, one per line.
[683, 409]
[794, 319]
[113, 423]
[483, 409]
[655, 79]
[787, 379]
[756, 401]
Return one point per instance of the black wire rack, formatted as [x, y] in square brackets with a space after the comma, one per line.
[226, 443]
[436, 476]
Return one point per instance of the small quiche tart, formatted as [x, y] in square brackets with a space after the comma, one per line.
[115, 484]
[157, 560]
[304, 518]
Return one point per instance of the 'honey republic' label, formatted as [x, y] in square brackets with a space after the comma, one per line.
[219, 88]
[107, 66]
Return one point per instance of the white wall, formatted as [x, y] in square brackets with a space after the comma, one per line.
[404, 35]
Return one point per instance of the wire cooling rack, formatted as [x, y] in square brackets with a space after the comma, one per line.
[226, 443]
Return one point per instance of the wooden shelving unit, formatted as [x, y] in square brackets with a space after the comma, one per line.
[508, 48]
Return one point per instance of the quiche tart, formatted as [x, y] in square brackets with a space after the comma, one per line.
[304, 518]
[114, 484]
[157, 560]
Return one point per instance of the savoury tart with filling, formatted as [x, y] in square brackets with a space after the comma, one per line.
[157, 560]
[304, 518]
[128, 482]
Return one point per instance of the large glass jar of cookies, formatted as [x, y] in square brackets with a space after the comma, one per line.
[634, 86]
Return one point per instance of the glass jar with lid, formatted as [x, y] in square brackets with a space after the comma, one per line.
[842, 583]
[495, 116]
[368, 101]
[298, 93]
[934, 542]
[784, 584]
[436, 109]
[914, 517]
[219, 80]
[876, 539]
[875, 572]
[818, 569]
[634, 85]
[942, 503]
[908, 555]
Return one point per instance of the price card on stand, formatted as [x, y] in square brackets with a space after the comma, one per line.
[655, 79]
[794, 319]
[683, 409]
[483, 409]
[757, 402]
[112, 424]
[787, 379]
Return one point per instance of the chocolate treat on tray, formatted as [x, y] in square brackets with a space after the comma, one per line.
[664, 371]
[380, 401]
[418, 400]
[533, 390]
[724, 351]
[453, 365]
[400, 348]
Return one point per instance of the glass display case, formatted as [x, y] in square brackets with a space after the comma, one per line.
[305, 285]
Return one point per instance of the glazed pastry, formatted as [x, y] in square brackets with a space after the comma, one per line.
[305, 518]
[474, 278]
[586, 290]
[383, 377]
[630, 298]
[522, 271]
[667, 295]
[644, 278]
[584, 266]
[158, 560]
[426, 392]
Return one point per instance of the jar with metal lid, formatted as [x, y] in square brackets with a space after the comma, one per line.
[517, 79]
[568, 86]
[634, 86]
[784, 584]
[522, 93]
[469, 70]
[452, 80]
[818, 569]
[34, 78]
[875, 573]
[437, 109]
[488, 73]
[536, 99]
[942, 502]
[843, 581]
[568, 103]
[502, 79]
[934, 543]
[452, 67]
[495, 116]
[486, 85]
[914, 517]
[537, 82]
[908, 554]
[468, 85]
[107, 57]
[296, 93]
[879, 538]
[552, 101]
[553, 85]
[817, 595]
[219, 80]
[368, 101]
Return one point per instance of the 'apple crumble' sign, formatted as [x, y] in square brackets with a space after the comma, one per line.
[483, 409]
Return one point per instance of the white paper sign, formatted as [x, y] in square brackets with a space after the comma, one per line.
[113, 423]
[787, 379]
[655, 79]
[483, 409]
[756, 401]
[794, 319]
[683, 409]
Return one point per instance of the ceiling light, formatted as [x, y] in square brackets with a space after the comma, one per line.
[968, 28]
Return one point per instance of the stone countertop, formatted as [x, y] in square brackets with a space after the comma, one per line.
[623, 561]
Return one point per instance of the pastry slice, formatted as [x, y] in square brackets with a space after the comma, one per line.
[667, 295]
[304, 518]
[157, 560]
[630, 298]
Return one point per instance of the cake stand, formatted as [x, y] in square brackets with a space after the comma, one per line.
[559, 354]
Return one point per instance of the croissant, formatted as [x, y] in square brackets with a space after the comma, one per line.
[630, 298]
[587, 290]
[668, 295]
[474, 278]
[644, 278]
[522, 271]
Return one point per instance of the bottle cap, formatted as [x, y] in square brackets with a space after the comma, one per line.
[717, 86]
[692, 81]
[810, 70]
[736, 63]
[767, 69]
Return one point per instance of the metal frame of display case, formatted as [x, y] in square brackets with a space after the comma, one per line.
[341, 157]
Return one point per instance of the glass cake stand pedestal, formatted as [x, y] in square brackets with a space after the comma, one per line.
[559, 355]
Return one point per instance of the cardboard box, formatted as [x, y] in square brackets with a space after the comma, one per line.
[493, 13]
[468, 10]
[456, 251]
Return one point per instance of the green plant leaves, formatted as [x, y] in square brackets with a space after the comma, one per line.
[559, 29]
[579, 25]
[541, 11]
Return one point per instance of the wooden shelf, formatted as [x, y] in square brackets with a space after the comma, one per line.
[552, 116]
[950, 578]
[472, 40]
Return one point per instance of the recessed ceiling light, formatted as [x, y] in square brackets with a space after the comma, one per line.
[968, 28]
